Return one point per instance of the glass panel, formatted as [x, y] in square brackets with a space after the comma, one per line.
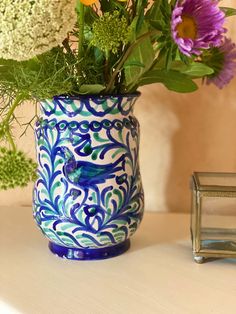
[193, 214]
[219, 179]
[218, 223]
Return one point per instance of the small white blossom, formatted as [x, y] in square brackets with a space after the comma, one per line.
[29, 28]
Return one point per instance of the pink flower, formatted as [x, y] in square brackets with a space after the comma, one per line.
[223, 61]
[197, 25]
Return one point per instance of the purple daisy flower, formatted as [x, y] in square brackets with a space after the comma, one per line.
[223, 61]
[196, 25]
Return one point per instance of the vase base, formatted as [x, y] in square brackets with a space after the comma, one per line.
[89, 254]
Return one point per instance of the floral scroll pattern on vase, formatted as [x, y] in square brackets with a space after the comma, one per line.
[89, 193]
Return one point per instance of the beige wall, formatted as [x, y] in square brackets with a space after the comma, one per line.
[181, 133]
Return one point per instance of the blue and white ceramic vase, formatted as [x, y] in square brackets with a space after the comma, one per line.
[88, 199]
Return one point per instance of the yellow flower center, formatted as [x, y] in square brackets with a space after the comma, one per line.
[187, 28]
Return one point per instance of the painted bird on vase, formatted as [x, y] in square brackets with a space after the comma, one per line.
[88, 174]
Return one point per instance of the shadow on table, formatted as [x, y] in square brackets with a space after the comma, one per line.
[157, 229]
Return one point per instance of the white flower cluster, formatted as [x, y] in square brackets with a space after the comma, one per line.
[29, 28]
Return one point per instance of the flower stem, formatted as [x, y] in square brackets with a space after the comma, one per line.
[66, 45]
[7, 119]
[16, 102]
[81, 33]
[10, 140]
[125, 57]
[106, 67]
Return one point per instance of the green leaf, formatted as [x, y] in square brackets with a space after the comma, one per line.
[91, 88]
[159, 14]
[143, 55]
[194, 69]
[168, 57]
[134, 63]
[165, 8]
[89, 16]
[154, 12]
[228, 11]
[158, 25]
[77, 5]
[107, 5]
[173, 80]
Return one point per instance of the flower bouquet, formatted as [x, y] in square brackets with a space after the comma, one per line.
[83, 61]
[71, 47]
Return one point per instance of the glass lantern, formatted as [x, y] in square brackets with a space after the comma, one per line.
[213, 219]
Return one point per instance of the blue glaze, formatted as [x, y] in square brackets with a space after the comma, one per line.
[89, 194]
[89, 254]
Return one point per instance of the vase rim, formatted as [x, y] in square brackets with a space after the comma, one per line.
[86, 96]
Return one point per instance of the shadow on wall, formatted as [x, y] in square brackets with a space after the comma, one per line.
[158, 124]
[204, 142]
[182, 133]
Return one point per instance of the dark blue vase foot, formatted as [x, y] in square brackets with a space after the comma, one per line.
[89, 254]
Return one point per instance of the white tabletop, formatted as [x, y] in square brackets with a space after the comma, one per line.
[157, 275]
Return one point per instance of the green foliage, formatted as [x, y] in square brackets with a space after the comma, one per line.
[214, 59]
[41, 77]
[115, 47]
[110, 31]
[111, 50]
[91, 89]
[173, 80]
[228, 11]
[91, 68]
[4, 128]
[107, 5]
[16, 170]
[141, 58]
[194, 69]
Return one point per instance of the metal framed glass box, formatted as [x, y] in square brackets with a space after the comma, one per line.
[213, 219]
